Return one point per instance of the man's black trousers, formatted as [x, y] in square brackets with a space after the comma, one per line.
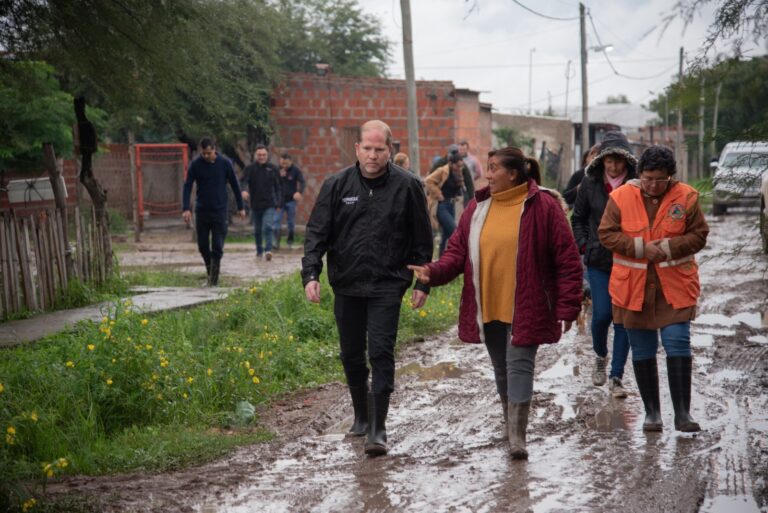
[211, 231]
[374, 319]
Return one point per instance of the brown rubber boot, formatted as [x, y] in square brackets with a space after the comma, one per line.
[517, 424]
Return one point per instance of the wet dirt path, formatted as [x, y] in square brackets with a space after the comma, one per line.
[587, 451]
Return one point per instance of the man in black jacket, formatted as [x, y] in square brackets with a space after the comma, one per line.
[211, 172]
[292, 181]
[261, 183]
[371, 219]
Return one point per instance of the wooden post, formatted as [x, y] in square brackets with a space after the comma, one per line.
[60, 196]
[134, 192]
[39, 262]
[30, 294]
[5, 269]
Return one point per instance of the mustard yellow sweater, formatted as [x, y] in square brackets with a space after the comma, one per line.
[498, 254]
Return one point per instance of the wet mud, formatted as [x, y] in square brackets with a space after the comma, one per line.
[447, 453]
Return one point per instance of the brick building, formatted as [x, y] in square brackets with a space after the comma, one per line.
[316, 120]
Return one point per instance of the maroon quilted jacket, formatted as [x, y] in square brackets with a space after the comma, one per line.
[549, 272]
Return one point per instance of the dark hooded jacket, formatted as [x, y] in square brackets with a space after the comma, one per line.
[592, 198]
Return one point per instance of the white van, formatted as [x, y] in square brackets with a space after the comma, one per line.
[738, 176]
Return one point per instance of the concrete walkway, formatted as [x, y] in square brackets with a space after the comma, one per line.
[146, 299]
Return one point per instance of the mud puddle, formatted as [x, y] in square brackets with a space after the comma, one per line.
[587, 450]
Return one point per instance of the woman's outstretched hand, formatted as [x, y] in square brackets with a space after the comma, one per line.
[422, 273]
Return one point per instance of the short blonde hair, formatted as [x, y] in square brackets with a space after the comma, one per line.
[376, 124]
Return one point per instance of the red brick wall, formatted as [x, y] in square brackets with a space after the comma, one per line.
[316, 120]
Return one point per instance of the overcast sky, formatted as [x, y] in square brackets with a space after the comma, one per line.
[488, 48]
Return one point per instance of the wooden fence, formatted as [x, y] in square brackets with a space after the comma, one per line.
[33, 259]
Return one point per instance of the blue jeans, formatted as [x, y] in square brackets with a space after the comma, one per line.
[602, 316]
[289, 210]
[446, 216]
[262, 219]
[211, 228]
[676, 339]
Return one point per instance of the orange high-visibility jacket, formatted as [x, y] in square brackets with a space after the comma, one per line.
[679, 278]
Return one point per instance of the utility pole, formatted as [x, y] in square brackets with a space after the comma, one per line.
[530, 79]
[584, 97]
[410, 81]
[712, 144]
[681, 165]
[700, 168]
[567, 84]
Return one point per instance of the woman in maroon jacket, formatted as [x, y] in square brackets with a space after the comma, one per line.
[522, 277]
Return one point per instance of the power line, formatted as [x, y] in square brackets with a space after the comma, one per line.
[535, 65]
[605, 53]
[544, 15]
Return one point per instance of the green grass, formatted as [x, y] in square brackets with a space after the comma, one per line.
[151, 277]
[151, 393]
[704, 186]
[233, 237]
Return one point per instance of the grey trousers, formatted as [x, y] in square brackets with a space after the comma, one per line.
[512, 365]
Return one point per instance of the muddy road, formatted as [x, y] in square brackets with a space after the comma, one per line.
[587, 451]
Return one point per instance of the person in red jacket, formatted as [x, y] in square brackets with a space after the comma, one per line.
[522, 278]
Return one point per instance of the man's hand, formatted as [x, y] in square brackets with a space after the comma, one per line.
[241, 213]
[297, 196]
[567, 326]
[418, 298]
[245, 195]
[312, 291]
[653, 252]
[422, 273]
[187, 216]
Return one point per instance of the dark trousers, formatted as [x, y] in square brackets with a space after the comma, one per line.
[211, 228]
[513, 366]
[370, 321]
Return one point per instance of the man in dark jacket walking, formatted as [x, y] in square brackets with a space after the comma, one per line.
[261, 183]
[292, 181]
[371, 219]
[211, 172]
[612, 167]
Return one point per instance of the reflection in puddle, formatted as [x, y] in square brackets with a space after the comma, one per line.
[751, 319]
[702, 340]
[439, 371]
[727, 375]
[758, 339]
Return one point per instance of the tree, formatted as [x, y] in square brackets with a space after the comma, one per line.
[33, 110]
[508, 136]
[743, 101]
[619, 98]
[735, 20]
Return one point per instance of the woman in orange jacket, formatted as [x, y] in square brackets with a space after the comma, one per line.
[654, 226]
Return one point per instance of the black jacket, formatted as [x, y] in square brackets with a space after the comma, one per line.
[370, 229]
[262, 181]
[292, 182]
[591, 200]
[569, 194]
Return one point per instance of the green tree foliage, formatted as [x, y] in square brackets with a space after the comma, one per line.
[33, 110]
[619, 98]
[743, 105]
[336, 32]
[508, 136]
[191, 66]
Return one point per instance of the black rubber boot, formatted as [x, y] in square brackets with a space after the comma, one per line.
[517, 424]
[378, 407]
[679, 370]
[360, 404]
[213, 277]
[207, 270]
[647, 378]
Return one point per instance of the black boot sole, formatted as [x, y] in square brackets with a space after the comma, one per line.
[375, 450]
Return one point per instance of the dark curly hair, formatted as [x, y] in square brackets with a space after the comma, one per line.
[657, 158]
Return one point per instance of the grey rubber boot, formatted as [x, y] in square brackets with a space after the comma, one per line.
[517, 424]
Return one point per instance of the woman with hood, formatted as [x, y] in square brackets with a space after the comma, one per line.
[522, 278]
[612, 167]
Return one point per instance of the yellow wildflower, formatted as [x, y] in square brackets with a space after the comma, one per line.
[190, 379]
[251, 372]
[105, 320]
[163, 363]
[109, 381]
[129, 339]
[111, 323]
[91, 347]
[256, 380]
[11, 430]
[48, 469]
[28, 504]
[33, 416]
[184, 395]
[2, 388]
[114, 360]
[261, 355]
[127, 303]
[290, 338]
[144, 322]
[62, 463]
[209, 371]
[149, 347]
[422, 314]
[269, 353]
[247, 364]
[155, 376]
